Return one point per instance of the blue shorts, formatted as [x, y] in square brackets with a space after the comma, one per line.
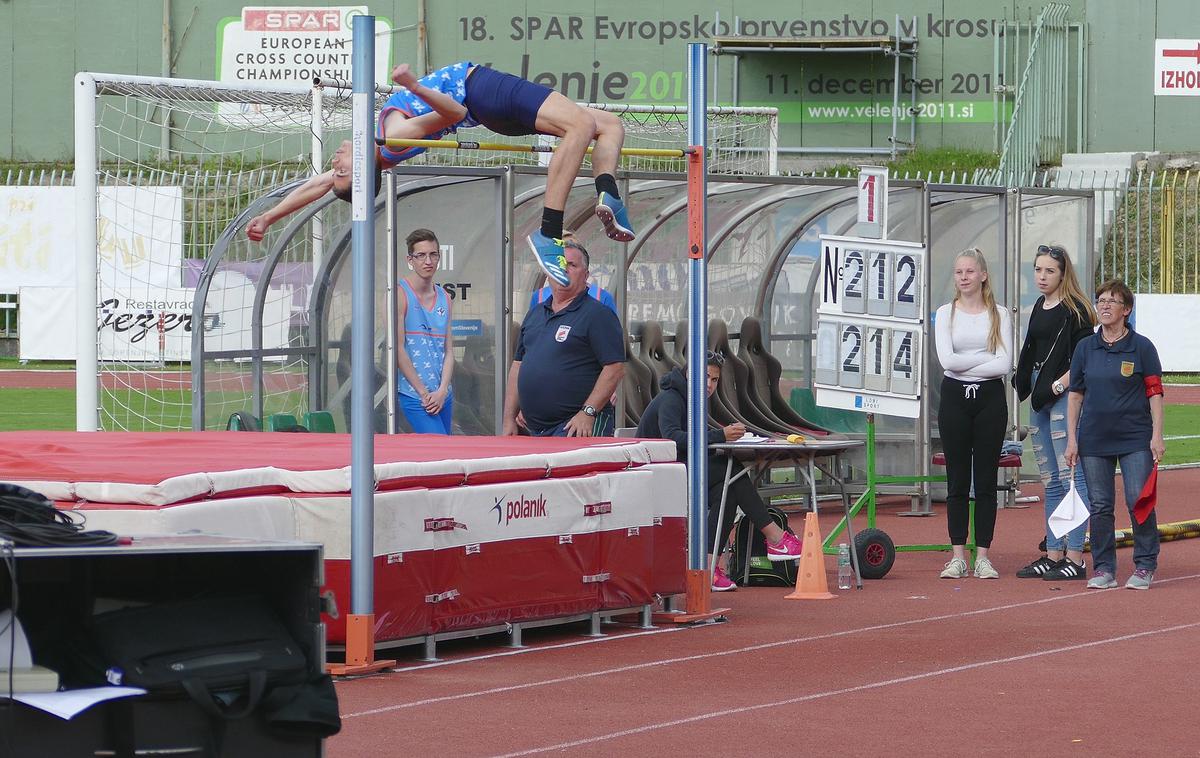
[423, 423]
[504, 103]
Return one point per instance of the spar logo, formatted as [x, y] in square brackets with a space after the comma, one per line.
[519, 508]
[292, 20]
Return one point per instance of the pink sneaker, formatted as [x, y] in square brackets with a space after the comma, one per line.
[721, 582]
[788, 549]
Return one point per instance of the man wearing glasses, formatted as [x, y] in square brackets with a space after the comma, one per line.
[569, 358]
[427, 361]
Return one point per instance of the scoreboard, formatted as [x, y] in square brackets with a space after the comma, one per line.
[870, 324]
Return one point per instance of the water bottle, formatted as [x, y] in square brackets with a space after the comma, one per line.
[845, 575]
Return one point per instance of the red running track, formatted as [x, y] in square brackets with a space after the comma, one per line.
[911, 665]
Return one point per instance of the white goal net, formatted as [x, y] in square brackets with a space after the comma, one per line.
[168, 171]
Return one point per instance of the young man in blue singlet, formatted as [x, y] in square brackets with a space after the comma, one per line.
[463, 95]
[426, 363]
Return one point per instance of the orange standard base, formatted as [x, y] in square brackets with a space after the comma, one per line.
[360, 648]
[810, 579]
[699, 605]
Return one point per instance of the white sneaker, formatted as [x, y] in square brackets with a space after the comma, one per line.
[1102, 581]
[956, 568]
[985, 570]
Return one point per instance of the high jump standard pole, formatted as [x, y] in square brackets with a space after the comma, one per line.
[360, 622]
[699, 581]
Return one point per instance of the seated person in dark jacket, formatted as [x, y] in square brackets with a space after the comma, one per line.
[666, 418]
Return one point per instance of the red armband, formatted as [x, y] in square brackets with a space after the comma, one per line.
[1153, 385]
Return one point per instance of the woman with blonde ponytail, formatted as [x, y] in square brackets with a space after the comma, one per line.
[974, 347]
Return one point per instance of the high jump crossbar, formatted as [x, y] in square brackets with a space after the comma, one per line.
[446, 144]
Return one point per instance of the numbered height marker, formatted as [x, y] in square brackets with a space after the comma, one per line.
[907, 279]
[854, 280]
[905, 350]
[879, 283]
[851, 373]
[876, 359]
[872, 202]
[827, 352]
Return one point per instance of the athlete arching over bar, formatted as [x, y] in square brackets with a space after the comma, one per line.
[465, 94]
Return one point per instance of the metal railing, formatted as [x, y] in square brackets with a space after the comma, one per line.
[211, 198]
[1148, 225]
[1153, 242]
[1038, 131]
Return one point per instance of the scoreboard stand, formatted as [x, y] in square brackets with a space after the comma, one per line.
[871, 335]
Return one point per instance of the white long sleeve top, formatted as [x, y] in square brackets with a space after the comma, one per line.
[962, 349]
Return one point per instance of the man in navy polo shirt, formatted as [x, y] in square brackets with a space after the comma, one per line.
[569, 359]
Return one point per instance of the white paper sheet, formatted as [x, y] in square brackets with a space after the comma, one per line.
[70, 703]
[748, 437]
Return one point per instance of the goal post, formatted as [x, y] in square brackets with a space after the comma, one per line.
[146, 220]
[148, 212]
[86, 369]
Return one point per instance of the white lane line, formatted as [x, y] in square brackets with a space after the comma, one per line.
[850, 690]
[734, 651]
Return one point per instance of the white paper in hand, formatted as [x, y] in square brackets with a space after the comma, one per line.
[1070, 513]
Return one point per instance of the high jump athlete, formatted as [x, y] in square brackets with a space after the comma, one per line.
[465, 94]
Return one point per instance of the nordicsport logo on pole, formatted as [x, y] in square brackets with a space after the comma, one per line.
[519, 508]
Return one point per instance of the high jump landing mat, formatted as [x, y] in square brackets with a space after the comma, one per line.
[470, 532]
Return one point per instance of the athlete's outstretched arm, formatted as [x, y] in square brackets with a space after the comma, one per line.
[312, 190]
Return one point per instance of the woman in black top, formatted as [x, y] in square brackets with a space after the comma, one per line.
[1061, 317]
[666, 418]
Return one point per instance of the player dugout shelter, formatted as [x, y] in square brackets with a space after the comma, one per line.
[289, 298]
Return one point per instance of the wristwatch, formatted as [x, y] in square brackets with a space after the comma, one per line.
[1058, 387]
[590, 410]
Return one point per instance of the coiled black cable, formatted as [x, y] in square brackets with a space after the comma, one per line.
[29, 519]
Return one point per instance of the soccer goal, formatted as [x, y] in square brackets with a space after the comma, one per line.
[167, 168]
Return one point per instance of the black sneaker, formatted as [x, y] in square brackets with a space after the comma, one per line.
[1037, 569]
[1065, 569]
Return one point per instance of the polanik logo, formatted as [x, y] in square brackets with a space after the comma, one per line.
[561, 334]
[519, 508]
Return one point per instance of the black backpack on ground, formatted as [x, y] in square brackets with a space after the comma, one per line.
[763, 571]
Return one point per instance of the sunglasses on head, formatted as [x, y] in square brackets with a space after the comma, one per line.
[1054, 251]
[716, 358]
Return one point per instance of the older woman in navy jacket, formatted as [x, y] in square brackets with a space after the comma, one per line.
[1115, 415]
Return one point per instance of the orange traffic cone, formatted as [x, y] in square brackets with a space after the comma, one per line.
[810, 580]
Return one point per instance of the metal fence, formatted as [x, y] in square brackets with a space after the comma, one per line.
[211, 198]
[1153, 242]
[1147, 225]
[1147, 222]
[1041, 121]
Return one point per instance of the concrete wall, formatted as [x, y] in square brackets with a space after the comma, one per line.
[634, 51]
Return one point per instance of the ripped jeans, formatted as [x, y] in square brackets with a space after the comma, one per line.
[1048, 430]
